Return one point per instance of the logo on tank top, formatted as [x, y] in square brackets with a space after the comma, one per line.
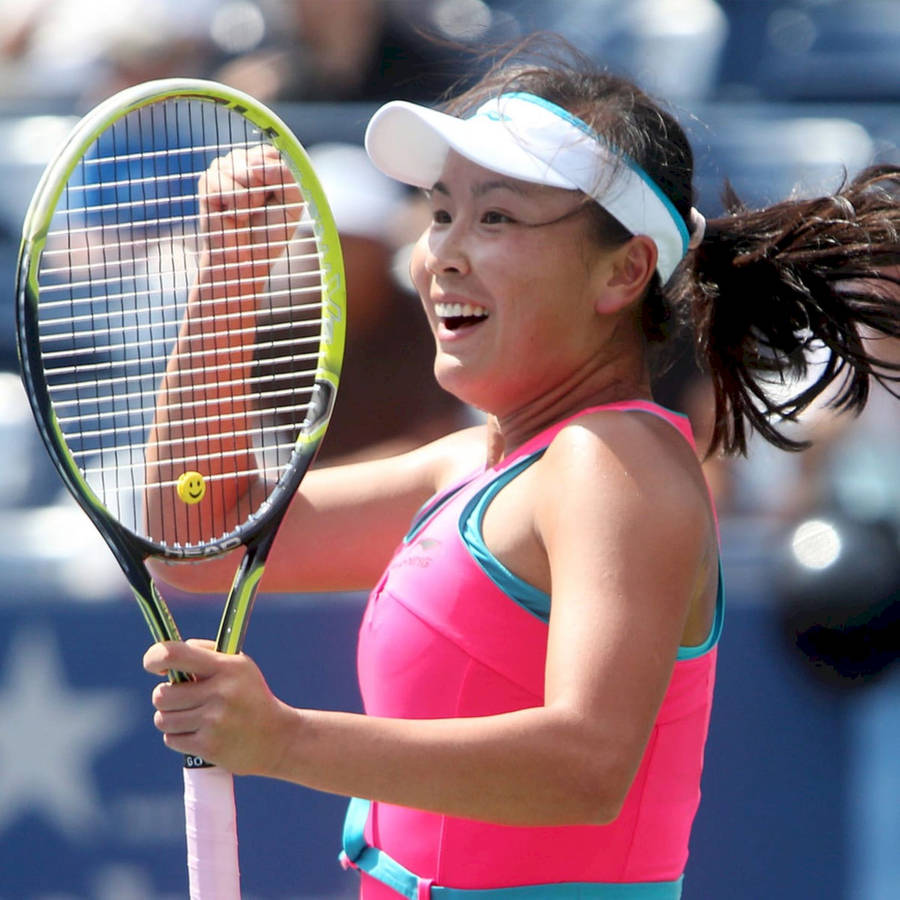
[420, 554]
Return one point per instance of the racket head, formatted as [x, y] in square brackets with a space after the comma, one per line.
[111, 241]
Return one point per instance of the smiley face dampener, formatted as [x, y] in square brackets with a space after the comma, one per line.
[191, 487]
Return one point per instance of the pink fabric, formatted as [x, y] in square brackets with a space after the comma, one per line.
[439, 639]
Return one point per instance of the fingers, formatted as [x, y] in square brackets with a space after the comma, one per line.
[227, 188]
[193, 657]
[243, 184]
[185, 710]
[186, 714]
[212, 715]
[250, 206]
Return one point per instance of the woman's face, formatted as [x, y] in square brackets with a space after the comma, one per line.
[508, 272]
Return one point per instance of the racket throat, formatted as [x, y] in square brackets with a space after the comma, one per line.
[241, 597]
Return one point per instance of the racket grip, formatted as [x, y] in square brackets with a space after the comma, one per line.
[211, 828]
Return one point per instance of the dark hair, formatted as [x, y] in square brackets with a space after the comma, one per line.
[765, 288]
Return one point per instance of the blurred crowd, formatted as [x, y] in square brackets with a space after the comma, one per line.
[332, 50]
[778, 95]
[72, 52]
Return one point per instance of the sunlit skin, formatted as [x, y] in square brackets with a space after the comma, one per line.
[534, 320]
[525, 254]
[537, 321]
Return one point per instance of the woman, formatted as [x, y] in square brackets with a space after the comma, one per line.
[537, 661]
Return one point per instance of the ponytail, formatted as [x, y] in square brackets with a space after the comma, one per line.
[766, 289]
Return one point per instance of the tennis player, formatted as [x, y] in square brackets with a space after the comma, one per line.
[537, 660]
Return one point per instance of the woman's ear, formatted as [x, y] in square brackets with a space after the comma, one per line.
[627, 274]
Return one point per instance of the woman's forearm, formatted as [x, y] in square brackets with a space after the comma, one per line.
[203, 412]
[208, 407]
[547, 765]
[531, 767]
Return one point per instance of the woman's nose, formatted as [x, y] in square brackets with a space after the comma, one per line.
[445, 251]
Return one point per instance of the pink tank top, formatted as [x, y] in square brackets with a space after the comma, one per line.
[441, 639]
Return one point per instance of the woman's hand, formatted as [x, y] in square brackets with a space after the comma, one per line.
[227, 715]
[249, 208]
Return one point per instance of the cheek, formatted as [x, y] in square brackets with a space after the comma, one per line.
[417, 272]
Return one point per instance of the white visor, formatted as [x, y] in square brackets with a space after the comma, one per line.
[526, 137]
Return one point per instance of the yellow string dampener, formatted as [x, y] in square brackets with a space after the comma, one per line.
[191, 487]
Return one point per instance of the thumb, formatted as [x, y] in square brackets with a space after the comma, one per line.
[201, 643]
[193, 657]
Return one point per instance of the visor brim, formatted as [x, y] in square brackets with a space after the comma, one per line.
[411, 143]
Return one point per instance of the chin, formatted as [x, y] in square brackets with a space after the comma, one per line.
[456, 379]
[480, 396]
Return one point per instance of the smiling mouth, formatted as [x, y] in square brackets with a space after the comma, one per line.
[458, 315]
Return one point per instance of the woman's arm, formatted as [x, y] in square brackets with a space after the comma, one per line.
[249, 207]
[345, 521]
[627, 544]
[339, 532]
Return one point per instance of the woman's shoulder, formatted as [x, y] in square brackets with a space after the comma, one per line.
[627, 449]
[619, 422]
[626, 488]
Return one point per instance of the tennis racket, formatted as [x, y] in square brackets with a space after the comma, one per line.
[180, 317]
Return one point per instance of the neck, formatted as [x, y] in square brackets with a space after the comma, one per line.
[596, 386]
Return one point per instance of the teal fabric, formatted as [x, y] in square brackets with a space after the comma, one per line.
[378, 865]
[716, 631]
[431, 508]
[526, 595]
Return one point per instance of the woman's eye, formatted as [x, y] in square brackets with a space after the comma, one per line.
[494, 217]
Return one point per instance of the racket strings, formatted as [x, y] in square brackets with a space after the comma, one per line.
[99, 404]
[65, 323]
[119, 429]
[261, 398]
[134, 264]
[133, 261]
[160, 223]
[121, 480]
[148, 387]
[284, 294]
[144, 203]
[135, 468]
[152, 290]
[122, 330]
[211, 150]
[156, 180]
[144, 360]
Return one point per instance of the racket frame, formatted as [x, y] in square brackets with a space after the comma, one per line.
[209, 797]
[256, 534]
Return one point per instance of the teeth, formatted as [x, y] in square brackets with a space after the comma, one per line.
[458, 310]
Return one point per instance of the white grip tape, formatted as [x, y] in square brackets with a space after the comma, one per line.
[211, 828]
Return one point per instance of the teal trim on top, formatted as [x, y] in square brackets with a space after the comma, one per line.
[530, 598]
[534, 600]
[429, 509]
[557, 110]
[631, 163]
[715, 631]
[377, 864]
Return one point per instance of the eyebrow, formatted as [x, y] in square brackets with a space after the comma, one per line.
[484, 187]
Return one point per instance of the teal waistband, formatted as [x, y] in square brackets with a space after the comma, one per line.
[378, 865]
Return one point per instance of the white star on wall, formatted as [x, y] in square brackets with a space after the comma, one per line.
[50, 734]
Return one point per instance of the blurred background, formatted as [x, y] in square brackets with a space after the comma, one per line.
[802, 785]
